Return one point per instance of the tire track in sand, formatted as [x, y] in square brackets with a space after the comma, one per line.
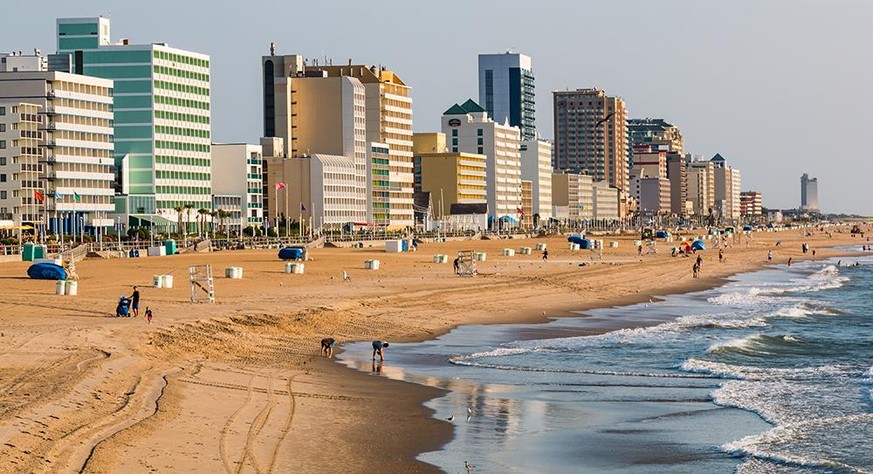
[257, 425]
[222, 447]
[287, 428]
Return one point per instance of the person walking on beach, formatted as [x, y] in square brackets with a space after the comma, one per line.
[699, 262]
[789, 262]
[148, 315]
[720, 256]
[545, 254]
[695, 270]
[457, 265]
[327, 347]
[134, 301]
[379, 348]
[769, 256]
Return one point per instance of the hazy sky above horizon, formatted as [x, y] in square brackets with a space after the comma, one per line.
[778, 87]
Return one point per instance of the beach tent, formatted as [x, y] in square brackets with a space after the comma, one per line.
[747, 228]
[46, 271]
[509, 219]
[585, 244]
[698, 245]
[662, 234]
[576, 239]
[685, 246]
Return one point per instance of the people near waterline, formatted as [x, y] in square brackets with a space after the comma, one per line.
[720, 256]
[769, 255]
[789, 262]
[695, 270]
[327, 345]
[134, 301]
[379, 348]
[148, 314]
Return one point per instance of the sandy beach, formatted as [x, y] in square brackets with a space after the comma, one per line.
[240, 386]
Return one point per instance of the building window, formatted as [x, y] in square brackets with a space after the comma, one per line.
[454, 132]
[2, 161]
[478, 132]
[2, 110]
[2, 144]
[479, 141]
[454, 142]
[2, 127]
[2, 194]
[2, 178]
[480, 150]
[454, 149]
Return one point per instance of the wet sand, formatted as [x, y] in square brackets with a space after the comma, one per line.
[239, 385]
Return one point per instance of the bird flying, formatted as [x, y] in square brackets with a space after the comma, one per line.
[602, 121]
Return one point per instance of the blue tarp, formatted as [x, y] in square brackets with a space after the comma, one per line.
[576, 239]
[585, 244]
[291, 253]
[46, 271]
[662, 234]
[509, 219]
[698, 245]
[747, 228]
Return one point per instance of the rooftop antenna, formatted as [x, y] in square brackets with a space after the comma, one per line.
[272, 48]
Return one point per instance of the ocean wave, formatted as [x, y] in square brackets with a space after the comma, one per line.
[828, 443]
[672, 375]
[754, 344]
[733, 371]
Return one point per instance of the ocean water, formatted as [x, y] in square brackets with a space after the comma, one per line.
[772, 372]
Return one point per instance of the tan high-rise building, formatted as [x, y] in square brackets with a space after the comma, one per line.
[450, 177]
[727, 188]
[591, 136]
[750, 204]
[572, 197]
[356, 111]
[389, 122]
[701, 187]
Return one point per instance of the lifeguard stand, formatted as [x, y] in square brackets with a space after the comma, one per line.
[202, 290]
[466, 263]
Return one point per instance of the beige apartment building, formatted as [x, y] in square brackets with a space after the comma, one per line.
[345, 110]
[591, 136]
[656, 134]
[21, 175]
[75, 163]
[527, 204]
[536, 166]
[469, 129]
[701, 187]
[751, 204]
[572, 196]
[450, 177]
[727, 188]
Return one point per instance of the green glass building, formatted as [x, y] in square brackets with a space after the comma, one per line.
[162, 118]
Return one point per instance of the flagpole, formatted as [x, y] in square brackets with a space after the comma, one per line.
[287, 211]
[300, 222]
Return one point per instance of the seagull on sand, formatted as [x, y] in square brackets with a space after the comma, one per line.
[346, 276]
[451, 418]
[469, 467]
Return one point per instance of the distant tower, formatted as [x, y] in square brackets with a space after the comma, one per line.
[507, 91]
[808, 193]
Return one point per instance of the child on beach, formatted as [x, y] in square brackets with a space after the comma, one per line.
[148, 314]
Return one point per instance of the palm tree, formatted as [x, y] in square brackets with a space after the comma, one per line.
[222, 215]
[188, 208]
[214, 214]
[203, 212]
[178, 210]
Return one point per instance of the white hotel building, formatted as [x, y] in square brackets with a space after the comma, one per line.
[468, 129]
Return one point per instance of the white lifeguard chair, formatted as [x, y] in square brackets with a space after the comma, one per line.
[466, 263]
[202, 289]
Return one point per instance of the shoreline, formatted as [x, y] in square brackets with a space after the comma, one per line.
[557, 312]
[248, 388]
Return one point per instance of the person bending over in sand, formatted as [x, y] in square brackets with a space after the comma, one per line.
[327, 347]
[379, 348]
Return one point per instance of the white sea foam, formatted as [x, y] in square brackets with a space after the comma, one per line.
[740, 343]
[731, 371]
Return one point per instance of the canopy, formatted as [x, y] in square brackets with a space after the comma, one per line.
[747, 228]
[685, 246]
[146, 220]
[698, 245]
[508, 218]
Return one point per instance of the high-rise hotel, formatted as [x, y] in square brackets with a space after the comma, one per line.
[162, 117]
[591, 136]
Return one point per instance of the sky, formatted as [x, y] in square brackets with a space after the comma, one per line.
[777, 87]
